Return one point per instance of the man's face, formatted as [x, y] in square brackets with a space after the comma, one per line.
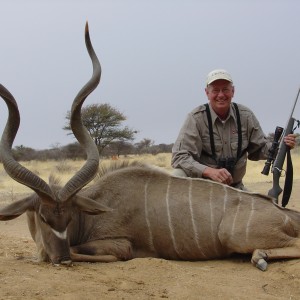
[220, 94]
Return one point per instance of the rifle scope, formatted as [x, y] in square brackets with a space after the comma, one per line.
[272, 150]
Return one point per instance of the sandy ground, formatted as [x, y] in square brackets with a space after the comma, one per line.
[235, 278]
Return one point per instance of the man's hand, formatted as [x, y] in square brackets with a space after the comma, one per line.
[290, 140]
[219, 175]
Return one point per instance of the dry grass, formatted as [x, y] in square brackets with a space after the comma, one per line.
[9, 189]
[254, 169]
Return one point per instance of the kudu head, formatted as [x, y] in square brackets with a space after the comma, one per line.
[52, 207]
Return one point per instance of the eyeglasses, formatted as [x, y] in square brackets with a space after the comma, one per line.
[224, 91]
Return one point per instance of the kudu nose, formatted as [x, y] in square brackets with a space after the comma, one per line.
[67, 263]
[62, 262]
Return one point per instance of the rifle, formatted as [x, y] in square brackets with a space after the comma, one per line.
[283, 152]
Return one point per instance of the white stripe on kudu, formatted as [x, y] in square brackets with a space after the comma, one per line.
[147, 217]
[169, 217]
[249, 219]
[195, 231]
[60, 235]
[225, 197]
[236, 214]
[213, 236]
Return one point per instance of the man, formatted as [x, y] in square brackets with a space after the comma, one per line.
[217, 138]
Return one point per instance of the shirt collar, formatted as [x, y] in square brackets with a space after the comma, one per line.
[214, 116]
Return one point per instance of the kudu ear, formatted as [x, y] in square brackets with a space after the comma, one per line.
[89, 206]
[16, 209]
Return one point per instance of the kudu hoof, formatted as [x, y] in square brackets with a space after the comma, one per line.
[262, 264]
[259, 260]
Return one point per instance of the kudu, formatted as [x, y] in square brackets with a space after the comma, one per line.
[141, 211]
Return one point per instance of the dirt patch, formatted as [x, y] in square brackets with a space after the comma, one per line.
[148, 278]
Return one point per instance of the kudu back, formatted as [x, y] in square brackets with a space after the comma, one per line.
[141, 211]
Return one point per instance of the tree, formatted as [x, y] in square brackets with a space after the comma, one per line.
[144, 146]
[22, 153]
[103, 122]
[118, 148]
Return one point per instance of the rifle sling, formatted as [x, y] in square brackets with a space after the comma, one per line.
[211, 134]
[288, 183]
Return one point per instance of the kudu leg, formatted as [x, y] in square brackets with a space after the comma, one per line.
[92, 258]
[102, 251]
[260, 256]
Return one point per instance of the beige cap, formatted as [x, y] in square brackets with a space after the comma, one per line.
[218, 74]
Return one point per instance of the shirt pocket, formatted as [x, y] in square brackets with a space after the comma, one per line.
[207, 147]
[234, 145]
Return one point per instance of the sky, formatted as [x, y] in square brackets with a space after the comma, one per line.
[155, 56]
